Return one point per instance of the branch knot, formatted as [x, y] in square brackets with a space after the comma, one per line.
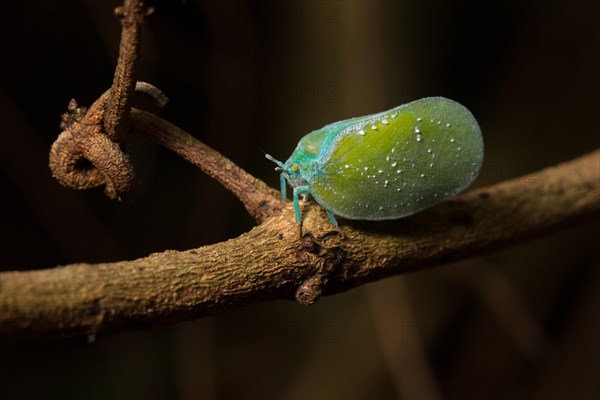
[84, 156]
[326, 261]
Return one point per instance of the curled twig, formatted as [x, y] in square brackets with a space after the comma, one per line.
[152, 92]
[84, 157]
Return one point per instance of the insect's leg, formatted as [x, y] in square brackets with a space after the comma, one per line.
[297, 191]
[335, 223]
[283, 187]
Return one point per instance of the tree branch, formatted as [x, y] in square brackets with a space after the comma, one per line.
[270, 263]
[260, 200]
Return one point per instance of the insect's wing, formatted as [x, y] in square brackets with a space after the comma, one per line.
[399, 162]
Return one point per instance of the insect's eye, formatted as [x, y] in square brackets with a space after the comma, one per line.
[295, 167]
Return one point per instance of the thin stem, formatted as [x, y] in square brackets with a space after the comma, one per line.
[116, 118]
[260, 200]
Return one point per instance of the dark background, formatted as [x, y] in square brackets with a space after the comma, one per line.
[248, 77]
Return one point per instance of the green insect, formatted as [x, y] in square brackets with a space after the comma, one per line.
[387, 165]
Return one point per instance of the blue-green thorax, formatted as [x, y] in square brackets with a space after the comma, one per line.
[299, 168]
[304, 162]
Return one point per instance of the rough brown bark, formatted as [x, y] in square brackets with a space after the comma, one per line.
[270, 262]
[260, 200]
[116, 119]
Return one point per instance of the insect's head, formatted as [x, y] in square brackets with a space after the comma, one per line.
[290, 170]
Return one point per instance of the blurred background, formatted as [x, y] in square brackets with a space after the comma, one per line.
[248, 77]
